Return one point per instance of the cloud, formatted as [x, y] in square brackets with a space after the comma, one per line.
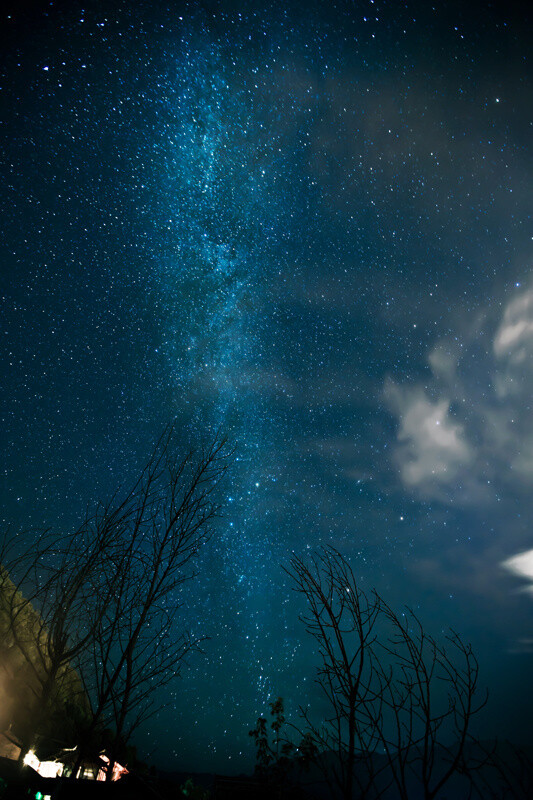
[514, 338]
[523, 462]
[522, 566]
[433, 450]
[465, 434]
[443, 362]
[513, 348]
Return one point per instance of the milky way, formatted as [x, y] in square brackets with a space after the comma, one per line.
[308, 227]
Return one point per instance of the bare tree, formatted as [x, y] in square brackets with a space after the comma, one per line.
[140, 643]
[430, 693]
[505, 771]
[53, 594]
[95, 613]
[396, 698]
[342, 620]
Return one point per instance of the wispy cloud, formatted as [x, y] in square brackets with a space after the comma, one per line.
[522, 566]
[433, 450]
[468, 427]
[514, 337]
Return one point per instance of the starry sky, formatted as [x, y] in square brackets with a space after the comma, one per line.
[308, 225]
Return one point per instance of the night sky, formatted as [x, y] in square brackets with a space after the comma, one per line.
[308, 225]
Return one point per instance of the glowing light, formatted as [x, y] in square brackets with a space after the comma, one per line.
[31, 760]
[118, 770]
[46, 769]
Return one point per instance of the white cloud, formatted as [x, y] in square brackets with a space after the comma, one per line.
[465, 436]
[433, 451]
[489, 448]
[523, 462]
[514, 338]
[513, 347]
[443, 362]
[521, 565]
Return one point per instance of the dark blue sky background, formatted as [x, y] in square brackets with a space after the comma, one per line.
[310, 225]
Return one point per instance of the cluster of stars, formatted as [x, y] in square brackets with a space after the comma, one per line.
[294, 227]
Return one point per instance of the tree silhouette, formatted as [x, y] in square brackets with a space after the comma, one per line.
[53, 593]
[139, 644]
[95, 613]
[396, 698]
[273, 752]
